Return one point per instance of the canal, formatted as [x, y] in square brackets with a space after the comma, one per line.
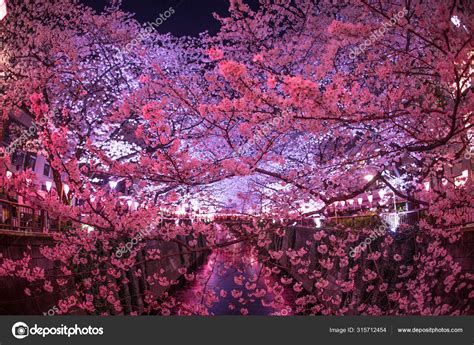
[233, 282]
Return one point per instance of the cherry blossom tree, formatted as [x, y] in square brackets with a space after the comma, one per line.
[278, 97]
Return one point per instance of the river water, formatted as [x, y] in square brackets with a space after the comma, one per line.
[231, 283]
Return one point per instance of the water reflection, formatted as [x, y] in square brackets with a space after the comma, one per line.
[233, 282]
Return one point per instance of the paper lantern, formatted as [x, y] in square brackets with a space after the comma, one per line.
[3, 9]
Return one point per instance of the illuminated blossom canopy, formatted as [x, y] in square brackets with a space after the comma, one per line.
[281, 114]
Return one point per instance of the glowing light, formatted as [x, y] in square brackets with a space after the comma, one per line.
[343, 203]
[444, 181]
[359, 200]
[369, 177]
[427, 186]
[3, 9]
[113, 184]
[318, 222]
[392, 220]
[382, 193]
[461, 180]
[370, 198]
[181, 210]
[351, 201]
[49, 184]
[88, 228]
[129, 203]
[66, 189]
[9, 174]
[455, 20]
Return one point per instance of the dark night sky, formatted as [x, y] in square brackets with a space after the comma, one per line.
[191, 17]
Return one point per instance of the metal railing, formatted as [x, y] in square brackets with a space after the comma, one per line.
[23, 218]
[354, 221]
